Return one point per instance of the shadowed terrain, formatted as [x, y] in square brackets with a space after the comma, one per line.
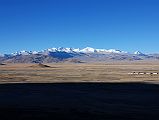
[82, 91]
[79, 101]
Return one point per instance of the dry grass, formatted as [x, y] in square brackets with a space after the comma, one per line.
[90, 96]
[94, 72]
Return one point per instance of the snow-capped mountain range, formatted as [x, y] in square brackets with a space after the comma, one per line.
[84, 50]
[73, 50]
[62, 54]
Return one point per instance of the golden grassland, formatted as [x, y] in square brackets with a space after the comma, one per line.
[83, 72]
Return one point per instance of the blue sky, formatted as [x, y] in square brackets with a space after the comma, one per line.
[39, 24]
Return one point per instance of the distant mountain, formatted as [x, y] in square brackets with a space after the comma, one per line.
[139, 53]
[75, 55]
[69, 50]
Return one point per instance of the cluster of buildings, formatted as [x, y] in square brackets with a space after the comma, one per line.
[143, 73]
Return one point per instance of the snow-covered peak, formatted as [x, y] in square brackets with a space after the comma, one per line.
[88, 50]
[68, 50]
[114, 51]
[76, 50]
[23, 52]
[52, 49]
[35, 52]
[110, 51]
[138, 53]
[59, 49]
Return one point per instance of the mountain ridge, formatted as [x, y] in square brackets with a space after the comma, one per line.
[69, 50]
[76, 55]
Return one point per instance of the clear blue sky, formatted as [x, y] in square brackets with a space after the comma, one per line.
[38, 24]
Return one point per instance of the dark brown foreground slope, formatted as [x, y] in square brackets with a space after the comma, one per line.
[79, 101]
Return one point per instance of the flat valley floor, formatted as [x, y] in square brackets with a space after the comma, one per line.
[94, 91]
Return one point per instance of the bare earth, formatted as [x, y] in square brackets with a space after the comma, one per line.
[97, 72]
[95, 91]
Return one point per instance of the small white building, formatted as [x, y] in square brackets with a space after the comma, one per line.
[155, 73]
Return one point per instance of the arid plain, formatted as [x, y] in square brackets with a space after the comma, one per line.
[94, 91]
[83, 72]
